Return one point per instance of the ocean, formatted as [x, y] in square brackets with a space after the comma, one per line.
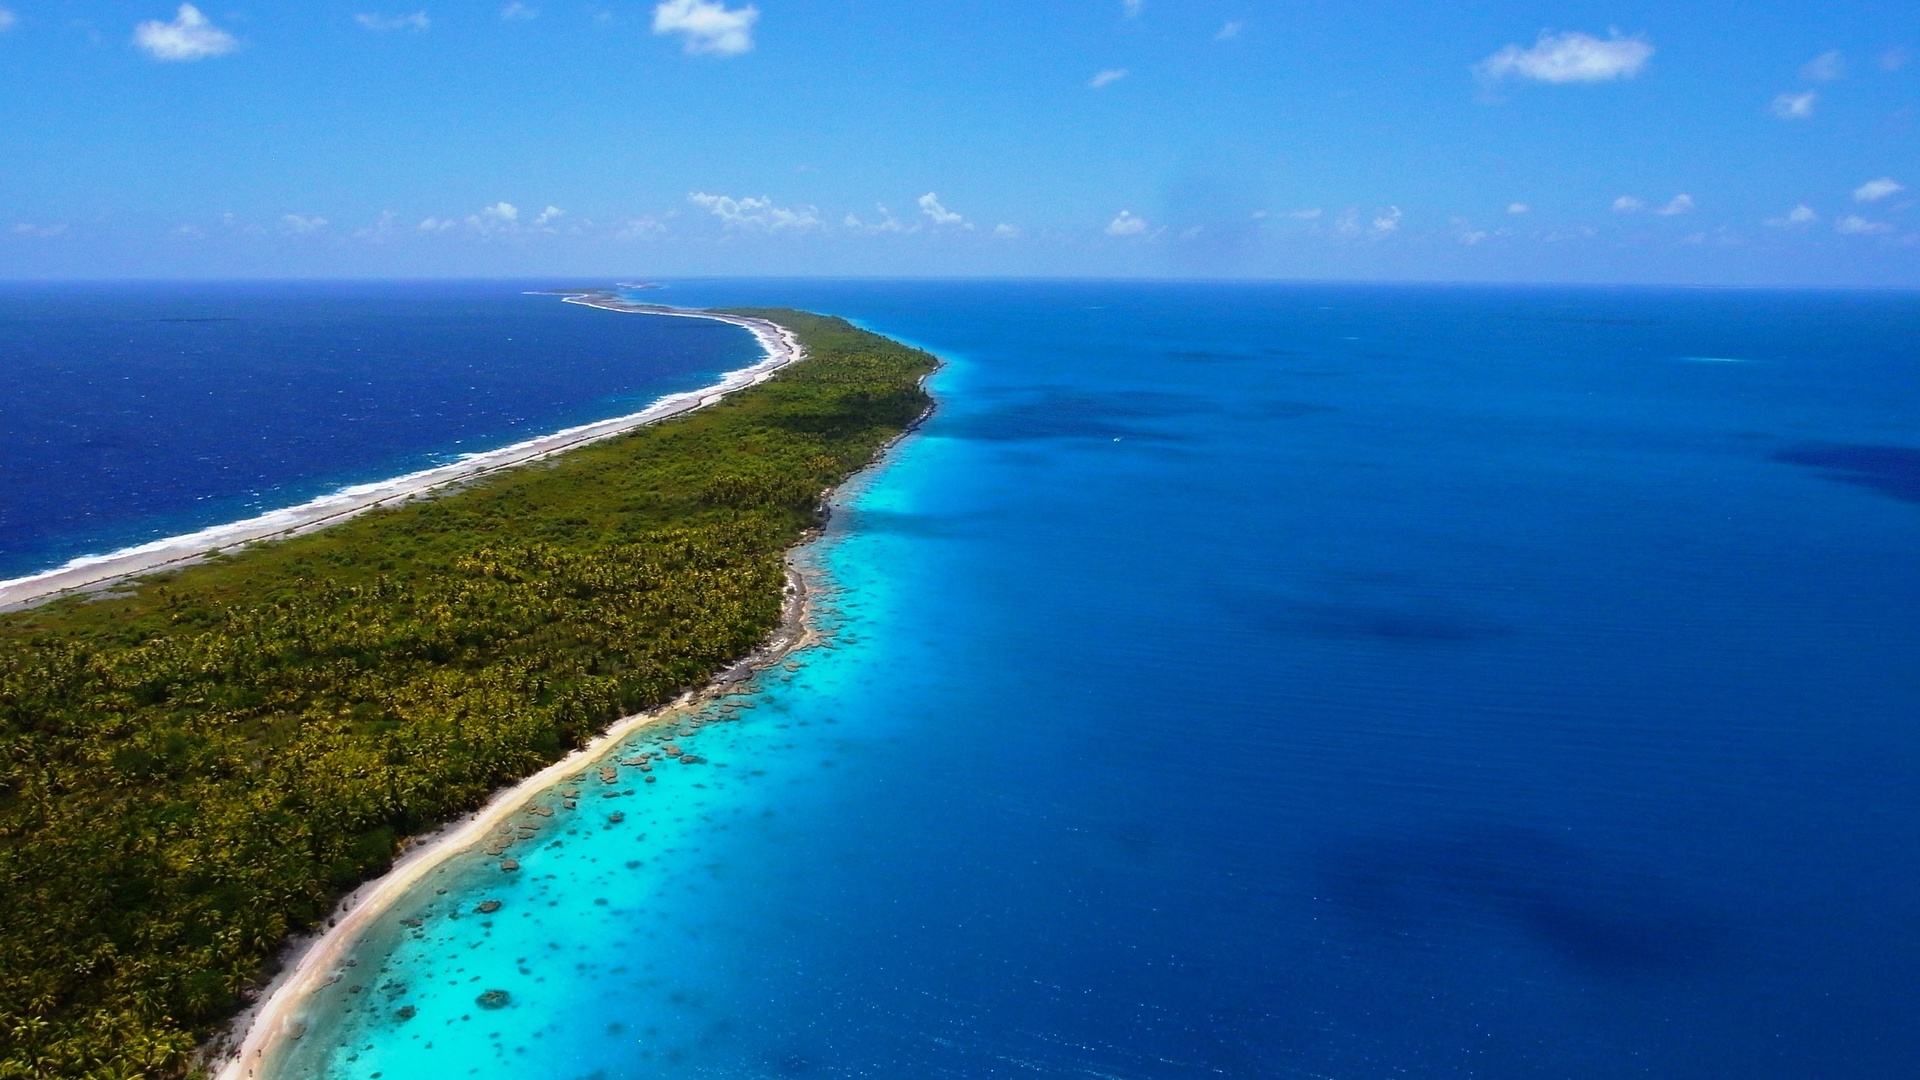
[1264, 681]
[136, 411]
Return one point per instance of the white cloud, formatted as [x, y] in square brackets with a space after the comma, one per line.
[640, 228]
[379, 230]
[188, 37]
[1627, 204]
[1106, 78]
[1230, 31]
[300, 226]
[1679, 204]
[1826, 67]
[1133, 8]
[708, 25]
[27, 228]
[1005, 231]
[518, 10]
[548, 216]
[504, 212]
[1794, 106]
[1383, 223]
[1799, 216]
[1875, 190]
[416, 21]
[930, 206]
[434, 225]
[1569, 58]
[1518, 208]
[751, 213]
[7, 19]
[1855, 225]
[1127, 224]
[887, 223]
[1305, 215]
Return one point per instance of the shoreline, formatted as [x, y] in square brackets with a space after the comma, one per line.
[91, 573]
[310, 962]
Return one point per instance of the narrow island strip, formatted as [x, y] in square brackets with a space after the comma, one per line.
[195, 772]
[93, 572]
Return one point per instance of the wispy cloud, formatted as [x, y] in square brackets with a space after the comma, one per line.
[1127, 224]
[1826, 67]
[930, 206]
[641, 228]
[1106, 78]
[7, 19]
[519, 11]
[1383, 223]
[1627, 204]
[1677, 205]
[1794, 106]
[1005, 231]
[1798, 217]
[1875, 190]
[1571, 57]
[1518, 208]
[1855, 225]
[752, 214]
[27, 228]
[188, 37]
[1229, 31]
[1309, 214]
[1894, 59]
[708, 26]
[1132, 8]
[297, 225]
[548, 216]
[416, 21]
[887, 223]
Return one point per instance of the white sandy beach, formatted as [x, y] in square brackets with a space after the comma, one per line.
[100, 571]
[256, 1037]
[257, 1033]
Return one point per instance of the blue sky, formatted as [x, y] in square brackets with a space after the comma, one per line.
[1714, 143]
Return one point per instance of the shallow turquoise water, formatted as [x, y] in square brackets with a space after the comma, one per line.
[1275, 681]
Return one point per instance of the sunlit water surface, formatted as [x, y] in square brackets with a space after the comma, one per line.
[1270, 681]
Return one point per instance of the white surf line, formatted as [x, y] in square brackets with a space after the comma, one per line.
[782, 347]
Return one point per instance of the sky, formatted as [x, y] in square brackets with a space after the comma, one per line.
[1712, 143]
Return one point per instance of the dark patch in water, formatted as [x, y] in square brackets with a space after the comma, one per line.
[1430, 626]
[1889, 470]
[896, 523]
[1066, 415]
[1208, 355]
[792, 1064]
[1408, 620]
[1576, 904]
[1288, 410]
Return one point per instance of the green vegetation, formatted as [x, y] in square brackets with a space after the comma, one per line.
[190, 773]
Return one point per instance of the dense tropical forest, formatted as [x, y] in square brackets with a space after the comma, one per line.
[193, 770]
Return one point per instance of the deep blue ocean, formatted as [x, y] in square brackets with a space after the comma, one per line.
[1265, 681]
[139, 411]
